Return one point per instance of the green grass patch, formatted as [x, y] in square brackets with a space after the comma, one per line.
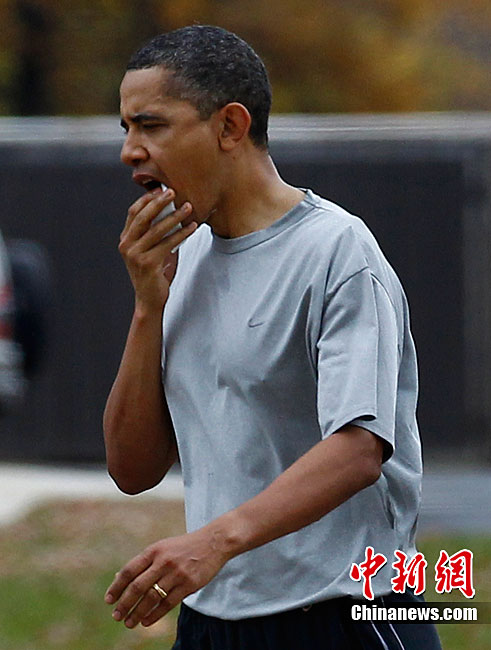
[56, 563]
[463, 636]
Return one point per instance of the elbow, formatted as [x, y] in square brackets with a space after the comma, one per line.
[371, 472]
[129, 483]
[130, 487]
[125, 485]
[130, 490]
[370, 467]
[124, 468]
[365, 451]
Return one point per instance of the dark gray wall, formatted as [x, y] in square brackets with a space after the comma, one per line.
[422, 184]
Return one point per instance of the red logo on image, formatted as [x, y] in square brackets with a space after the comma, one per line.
[455, 572]
[410, 574]
[367, 570]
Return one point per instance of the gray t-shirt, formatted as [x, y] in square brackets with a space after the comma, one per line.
[272, 342]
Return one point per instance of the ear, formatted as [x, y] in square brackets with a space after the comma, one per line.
[235, 122]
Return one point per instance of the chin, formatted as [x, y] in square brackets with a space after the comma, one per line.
[208, 219]
[199, 217]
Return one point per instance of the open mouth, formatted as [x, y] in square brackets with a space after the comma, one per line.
[151, 185]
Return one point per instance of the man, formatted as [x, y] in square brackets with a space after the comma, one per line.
[273, 352]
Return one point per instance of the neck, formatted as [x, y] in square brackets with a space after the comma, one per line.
[255, 197]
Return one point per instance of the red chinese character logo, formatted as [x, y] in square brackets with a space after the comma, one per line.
[411, 575]
[367, 569]
[455, 572]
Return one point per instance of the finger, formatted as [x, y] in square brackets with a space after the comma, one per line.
[150, 211]
[166, 246]
[160, 230]
[172, 241]
[175, 597]
[126, 576]
[136, 207]
[135, 593]
[143, 609]
[145, 210]
[162, 256]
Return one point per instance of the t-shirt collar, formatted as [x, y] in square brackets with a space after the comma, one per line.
[237, 244]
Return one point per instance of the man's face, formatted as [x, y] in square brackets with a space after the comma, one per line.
[167, 142]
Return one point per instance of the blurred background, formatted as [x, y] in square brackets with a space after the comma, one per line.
[323, 55]
[383, 106]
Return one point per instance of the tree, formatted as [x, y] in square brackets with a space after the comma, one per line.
[323, 55]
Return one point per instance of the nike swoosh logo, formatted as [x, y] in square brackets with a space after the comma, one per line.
[251, 323]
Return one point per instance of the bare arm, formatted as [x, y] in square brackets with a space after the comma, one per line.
[330, 473]
[326, 476]
[138, 431]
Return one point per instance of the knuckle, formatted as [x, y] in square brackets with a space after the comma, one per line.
[182, 574]
[193, 583]
[136, 588]
[131, 259]
[132, 211]
[122, 246]
[148, 554]
[170, 564]
[125, 574]
[143, 263]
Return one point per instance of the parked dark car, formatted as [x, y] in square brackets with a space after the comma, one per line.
[12, 379]
[24, 304]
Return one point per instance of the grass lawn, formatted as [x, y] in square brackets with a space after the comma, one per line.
[454, 636]
[56, 563]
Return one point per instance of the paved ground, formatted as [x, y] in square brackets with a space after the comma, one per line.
[25, 486]
[457, 501]
[452, 501]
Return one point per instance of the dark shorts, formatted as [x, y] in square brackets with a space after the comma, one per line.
[323, 626]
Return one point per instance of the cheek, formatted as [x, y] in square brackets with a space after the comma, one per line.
[198, 176]
[191, 170]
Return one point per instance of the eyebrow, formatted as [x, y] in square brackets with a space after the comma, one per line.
[138, 118]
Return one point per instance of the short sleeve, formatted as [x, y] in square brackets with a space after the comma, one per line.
[358, 359]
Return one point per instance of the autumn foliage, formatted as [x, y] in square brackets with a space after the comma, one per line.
[323, 55]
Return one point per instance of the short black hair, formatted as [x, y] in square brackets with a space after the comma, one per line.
[210, 68]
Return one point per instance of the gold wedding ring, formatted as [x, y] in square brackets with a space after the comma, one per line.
[159, 590]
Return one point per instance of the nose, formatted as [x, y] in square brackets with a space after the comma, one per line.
[132, 151]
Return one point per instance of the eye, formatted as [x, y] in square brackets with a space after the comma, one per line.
[152, 126]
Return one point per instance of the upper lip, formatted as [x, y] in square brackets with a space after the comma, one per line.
[142, 179]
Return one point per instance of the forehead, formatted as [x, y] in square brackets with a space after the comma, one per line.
[143, 86]
[145, 91]
[146, 81]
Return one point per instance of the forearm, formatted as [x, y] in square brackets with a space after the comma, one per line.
[138, 431]
[330, 473]
[326, 476]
